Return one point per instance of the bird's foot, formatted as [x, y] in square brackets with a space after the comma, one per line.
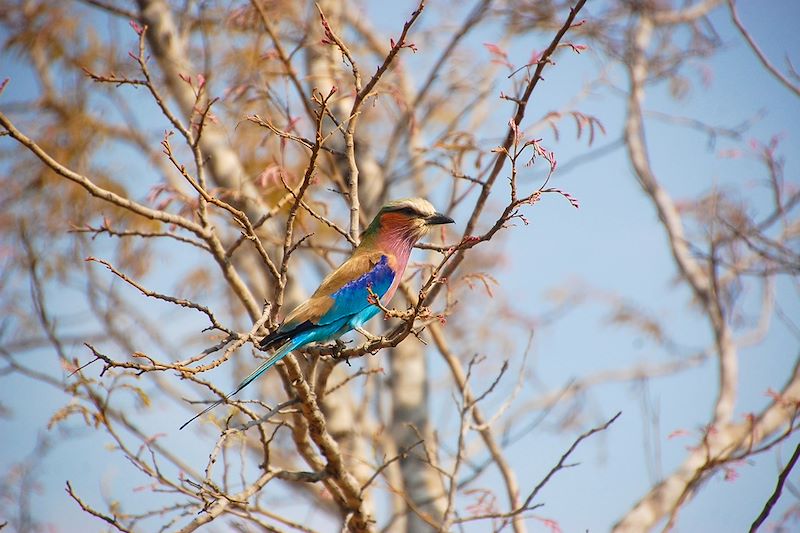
[340, 346]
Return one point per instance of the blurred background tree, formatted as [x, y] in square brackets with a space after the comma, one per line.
[176, 175]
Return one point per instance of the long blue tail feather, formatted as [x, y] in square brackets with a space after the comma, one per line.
[269, 363]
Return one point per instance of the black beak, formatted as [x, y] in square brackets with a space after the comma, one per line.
[437, 219]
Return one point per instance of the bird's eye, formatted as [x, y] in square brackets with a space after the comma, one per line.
[408, 211]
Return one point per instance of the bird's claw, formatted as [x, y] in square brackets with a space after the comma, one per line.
[340, 346]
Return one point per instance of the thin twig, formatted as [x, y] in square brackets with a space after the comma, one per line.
[773, 499]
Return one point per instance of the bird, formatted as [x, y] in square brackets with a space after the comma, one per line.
[342, 303]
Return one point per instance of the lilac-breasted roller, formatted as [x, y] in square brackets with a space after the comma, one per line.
[341, 302]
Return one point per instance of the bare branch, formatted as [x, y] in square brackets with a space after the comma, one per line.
[773, 499]
[757, 51]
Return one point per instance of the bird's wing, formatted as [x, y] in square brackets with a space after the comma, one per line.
[344, 292]
[354, 296]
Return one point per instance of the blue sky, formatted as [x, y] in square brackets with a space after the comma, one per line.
[612, 244]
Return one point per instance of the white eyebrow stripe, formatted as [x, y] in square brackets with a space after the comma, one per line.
[419, 206]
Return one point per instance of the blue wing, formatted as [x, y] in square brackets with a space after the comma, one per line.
[352, 299]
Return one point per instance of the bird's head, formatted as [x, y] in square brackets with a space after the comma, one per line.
[408, 219]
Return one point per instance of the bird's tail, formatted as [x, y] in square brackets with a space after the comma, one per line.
[287, 347]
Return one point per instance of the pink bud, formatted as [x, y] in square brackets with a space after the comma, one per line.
[138, 29]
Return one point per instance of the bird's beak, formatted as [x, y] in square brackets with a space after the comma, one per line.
[437, 219]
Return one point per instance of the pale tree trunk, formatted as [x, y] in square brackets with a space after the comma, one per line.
[223, 163]
[326, 70]
[169, 50]
[422, 484]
